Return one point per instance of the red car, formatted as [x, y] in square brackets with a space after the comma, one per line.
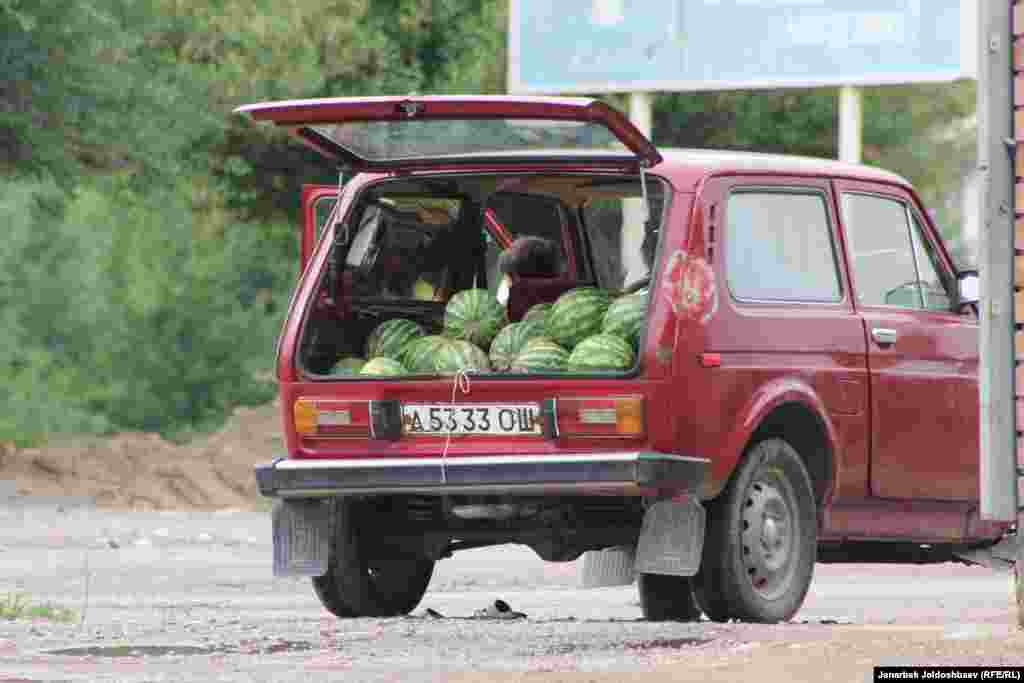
[745, 364]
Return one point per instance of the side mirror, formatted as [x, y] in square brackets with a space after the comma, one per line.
[967, 281]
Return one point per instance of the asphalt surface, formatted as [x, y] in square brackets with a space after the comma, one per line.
[190, 597]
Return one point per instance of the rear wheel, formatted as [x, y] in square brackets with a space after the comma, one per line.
[358, 584]
[667, 598]
[761, 541]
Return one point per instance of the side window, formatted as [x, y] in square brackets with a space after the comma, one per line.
[779, 247]
[523, 214]
[620, 233]
[321, 212]
[519, 214]
[893, 264]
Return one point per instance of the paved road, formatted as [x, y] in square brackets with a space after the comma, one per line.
[189, 596]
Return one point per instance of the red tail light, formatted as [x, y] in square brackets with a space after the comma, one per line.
[618, 416]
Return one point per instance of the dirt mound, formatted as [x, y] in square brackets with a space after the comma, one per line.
[145, 472]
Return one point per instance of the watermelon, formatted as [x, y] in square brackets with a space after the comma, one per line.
[511, 340]
[420, 353]
[347, 365]
[576, 315]
[390, 338]
[537, 311]
[541, 355]
[474, 315]
[625, 317]
[459, 354]
[601, 352]
[382, 365]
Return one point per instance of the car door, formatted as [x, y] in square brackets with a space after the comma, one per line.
[922, 351]
[785, 318]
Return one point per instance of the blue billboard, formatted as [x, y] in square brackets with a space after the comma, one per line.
[573, 46]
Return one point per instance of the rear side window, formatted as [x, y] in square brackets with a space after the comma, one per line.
[780, 247]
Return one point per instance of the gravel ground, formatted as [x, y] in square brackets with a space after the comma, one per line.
[190, 597]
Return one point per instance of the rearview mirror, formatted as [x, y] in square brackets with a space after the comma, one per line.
[967, 281]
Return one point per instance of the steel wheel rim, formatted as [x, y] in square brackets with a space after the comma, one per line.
[769, 535]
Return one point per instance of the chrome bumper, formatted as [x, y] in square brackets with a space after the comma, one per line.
[629, 473]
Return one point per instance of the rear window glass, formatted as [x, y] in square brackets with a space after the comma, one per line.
[395, 140]
[780, 247]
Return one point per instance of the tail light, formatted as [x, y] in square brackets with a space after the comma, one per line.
[619, 416]
[332, 419]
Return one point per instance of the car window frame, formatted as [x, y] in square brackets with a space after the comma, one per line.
[945, 275]
[838, 256]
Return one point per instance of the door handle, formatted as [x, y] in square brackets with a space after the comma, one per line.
[884, 336]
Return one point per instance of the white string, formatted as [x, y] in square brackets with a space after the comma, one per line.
[459, 383]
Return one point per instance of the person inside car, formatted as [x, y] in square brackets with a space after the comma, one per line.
[527, 256]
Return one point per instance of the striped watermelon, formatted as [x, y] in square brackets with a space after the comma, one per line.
[625, 317]
[538, 311]
[349, 365]
[577, 314]
[390, 338]
[384, 366]
[475, 316]
[511, 340]
[420, 353]
[541, 355]
[459, 354]
[602, 352]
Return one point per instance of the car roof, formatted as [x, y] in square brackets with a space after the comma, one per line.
[687, 167]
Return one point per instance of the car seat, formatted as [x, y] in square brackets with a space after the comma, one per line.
[527, 291]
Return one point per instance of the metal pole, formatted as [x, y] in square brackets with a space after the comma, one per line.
[998, 363]
[995, 126]
[851, 123]
[640, 111]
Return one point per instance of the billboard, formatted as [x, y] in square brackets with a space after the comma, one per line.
[591, 46]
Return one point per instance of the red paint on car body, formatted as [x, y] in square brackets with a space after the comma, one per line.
[898, 450]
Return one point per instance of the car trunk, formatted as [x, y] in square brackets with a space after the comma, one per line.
[410, 249]
[404, 251]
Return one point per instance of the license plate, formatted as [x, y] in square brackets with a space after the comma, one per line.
[424, 419]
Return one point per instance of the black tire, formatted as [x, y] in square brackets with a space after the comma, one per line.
[357, 585]
[667, 598]
[761, 540]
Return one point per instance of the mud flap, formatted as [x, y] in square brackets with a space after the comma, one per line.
[672, 538]
[301, 537]
[609, 567]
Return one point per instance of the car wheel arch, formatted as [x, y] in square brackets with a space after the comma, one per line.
[787, 409]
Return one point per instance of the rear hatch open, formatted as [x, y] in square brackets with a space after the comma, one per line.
[402, 133]
[422, 255]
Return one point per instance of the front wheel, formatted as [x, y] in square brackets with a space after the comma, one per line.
[761, 540]
[357, 584]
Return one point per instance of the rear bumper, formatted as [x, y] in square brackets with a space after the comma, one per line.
[621, 473]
